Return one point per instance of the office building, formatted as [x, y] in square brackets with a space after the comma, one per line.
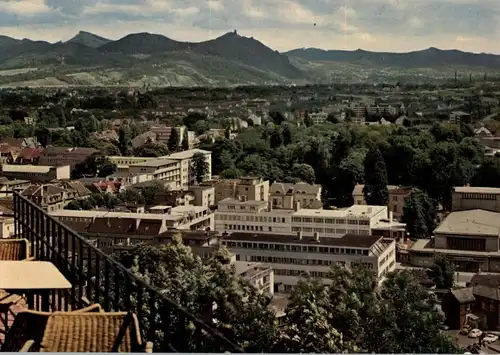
[469, 239]
[259, 216]
[470, 197]
[292, 256]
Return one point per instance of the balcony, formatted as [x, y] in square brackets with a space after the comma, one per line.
[97, 278]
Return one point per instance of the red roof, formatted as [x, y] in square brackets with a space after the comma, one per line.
[30, 153]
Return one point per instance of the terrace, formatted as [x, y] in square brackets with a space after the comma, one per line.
[97, 279]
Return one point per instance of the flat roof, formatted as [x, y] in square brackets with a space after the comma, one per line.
[188, 154]
[233, 201]
[481, 190]
[175, 214]
[11, 168]
[348, 240]
[471, 222]
[355, 211]
[155, 162]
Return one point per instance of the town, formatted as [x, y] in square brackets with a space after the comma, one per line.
[304, 191]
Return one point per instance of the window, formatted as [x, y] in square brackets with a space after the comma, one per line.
[395, 198]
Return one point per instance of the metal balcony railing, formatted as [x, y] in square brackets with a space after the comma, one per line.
[98, 278]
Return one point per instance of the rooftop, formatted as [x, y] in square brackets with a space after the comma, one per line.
[176, 213]
[348, 240]
[480, 190]
[188, 154]
[39, 169]
[355, 211]
[155, 162]
[471, 222]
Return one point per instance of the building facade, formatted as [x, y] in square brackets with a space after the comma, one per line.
[284, 195]
[36, 173]
[248, 188]
[469, 239]
[258, 216]
[292, 256]
[469, 198]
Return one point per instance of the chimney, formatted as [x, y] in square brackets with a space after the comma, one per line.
[299, 235]
[391, 216]
[270, 205]
[296, 206]
[316, 236]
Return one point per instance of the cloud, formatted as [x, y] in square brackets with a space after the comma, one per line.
[385, 25]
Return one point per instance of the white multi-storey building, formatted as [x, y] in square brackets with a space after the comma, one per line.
[294, 256]
[259, 216]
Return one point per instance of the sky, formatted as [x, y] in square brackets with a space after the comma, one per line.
[378, 25]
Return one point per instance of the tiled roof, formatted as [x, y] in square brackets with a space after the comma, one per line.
[283, 188]
[464, 295]
[30, 153]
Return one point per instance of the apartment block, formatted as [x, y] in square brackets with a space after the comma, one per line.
[159, 169]
[395, 203]
[203, 195]
[57, 156]
[185, 161]
[292, 256]
[53, 197]
[258, 216]
[126, 161]
[180, 217]
[246, 188]
[35, 173]
[284, 195]
[469, 197]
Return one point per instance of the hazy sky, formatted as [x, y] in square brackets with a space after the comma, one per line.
[391, 25]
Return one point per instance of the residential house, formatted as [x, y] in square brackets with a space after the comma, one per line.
[57, 156]
[284, 195]
[29, 156]
[8, 186]
[53, 197]
[482, 132]
[396, 199]
[246, 188]
[479, 302]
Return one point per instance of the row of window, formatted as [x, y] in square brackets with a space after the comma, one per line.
[477, 196]
[296, 248]
[276, 260]
[331, 230]
[251, 218]
[266, 219]
[343, 221]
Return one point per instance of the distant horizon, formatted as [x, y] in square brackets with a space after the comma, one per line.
[396, 26]
[231, 31]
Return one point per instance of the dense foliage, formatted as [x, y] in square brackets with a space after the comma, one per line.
[349, 315]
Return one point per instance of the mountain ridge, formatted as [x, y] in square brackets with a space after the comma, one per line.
[89, 59]
[429, 57]
[89, 39]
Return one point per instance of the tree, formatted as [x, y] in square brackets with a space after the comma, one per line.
[375, 189]
[407, 320]
[124, 140]
[287, 135]
[95, 165]
[151, 149]
[185, 140]
[276, 139]
[304, 172]
[173, 140]
[229, 303]
[442, 272]
[200, 167]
